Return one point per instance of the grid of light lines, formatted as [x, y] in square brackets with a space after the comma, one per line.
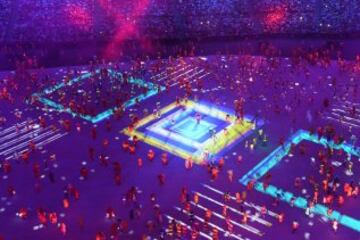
[153, 89]
[178, 132]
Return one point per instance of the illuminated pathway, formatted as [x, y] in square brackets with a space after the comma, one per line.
[275, 158]
[340, 112]
[43, 97]
[209, 201]
[16, 140]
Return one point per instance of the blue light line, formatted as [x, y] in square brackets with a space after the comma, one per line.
[275, 158]
[301, 202]
[153, 90]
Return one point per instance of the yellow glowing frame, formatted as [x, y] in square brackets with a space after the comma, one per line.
[224, 138]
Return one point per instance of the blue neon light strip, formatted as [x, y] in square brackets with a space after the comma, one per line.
[153, 90]
[189, 113]
[170, 141]
[72, 81]
[280, 152]
[161, 128]
[191, 129]
[275, 158]
[344, 146]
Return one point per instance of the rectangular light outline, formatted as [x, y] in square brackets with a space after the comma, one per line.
[203, 127]
[235, 132]
[275, 157]
[157, 127]
[154, 90]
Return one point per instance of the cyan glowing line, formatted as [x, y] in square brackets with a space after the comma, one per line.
[279, 153]
[62, 84]
[174, 136]
[173, 116]
[198, 156]
[323, 141]
[275, 158]
[153, 90]
[78, 79]
[158, 128]
[211, 111]
[301, 202]
[190, 128]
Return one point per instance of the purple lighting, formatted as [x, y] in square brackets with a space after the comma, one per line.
[179, 119]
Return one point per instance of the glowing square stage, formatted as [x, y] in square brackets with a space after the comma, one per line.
[152, 89]
[180, 132]
[276, 157]
[191, 129]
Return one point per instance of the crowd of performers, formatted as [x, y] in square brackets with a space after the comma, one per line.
[329, 188]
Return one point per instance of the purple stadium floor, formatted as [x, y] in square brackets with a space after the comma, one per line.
[293, 100]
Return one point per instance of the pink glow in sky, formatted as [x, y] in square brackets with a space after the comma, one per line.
[126, 26]
[276, 17]
[78, 16]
